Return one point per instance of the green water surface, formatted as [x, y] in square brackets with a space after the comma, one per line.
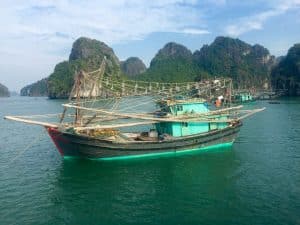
[257, 181]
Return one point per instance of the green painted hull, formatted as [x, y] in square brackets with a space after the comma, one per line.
[171, 153]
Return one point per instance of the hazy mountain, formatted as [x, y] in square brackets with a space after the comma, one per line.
[133, 66]
[4, 92]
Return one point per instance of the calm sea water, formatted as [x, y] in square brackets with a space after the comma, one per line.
[255, 182]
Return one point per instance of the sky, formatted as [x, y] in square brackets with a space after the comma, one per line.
[35, 35]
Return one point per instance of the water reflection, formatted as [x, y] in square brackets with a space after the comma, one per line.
[142, 191]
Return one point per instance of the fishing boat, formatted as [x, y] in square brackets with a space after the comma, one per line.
[97, 127]
[243, 96]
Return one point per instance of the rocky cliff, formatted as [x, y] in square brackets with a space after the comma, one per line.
[172, 63]
[248, 66]
[286, 74]
[86, 54]
[36, 89]
[133, 66]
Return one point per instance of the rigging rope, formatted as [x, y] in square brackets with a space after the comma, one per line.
[20, 153]
[100, 83]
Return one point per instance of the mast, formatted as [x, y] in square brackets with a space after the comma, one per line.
[230, 92]
[77, 84]
[85, 85]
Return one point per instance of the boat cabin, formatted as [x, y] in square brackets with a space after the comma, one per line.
[179, 129]
[243, 97]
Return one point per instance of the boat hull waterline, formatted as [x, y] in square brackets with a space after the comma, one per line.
[74, 145]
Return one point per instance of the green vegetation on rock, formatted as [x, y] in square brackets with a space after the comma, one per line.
[61, 80]
[36, 89]
[248, 66]
[87, 54]
[172, 63]
[286, 74]
[4, 92]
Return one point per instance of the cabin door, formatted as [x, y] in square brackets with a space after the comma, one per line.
[185, 129]
[213, 126]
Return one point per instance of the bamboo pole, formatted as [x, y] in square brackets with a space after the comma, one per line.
[42, 115]
[251, 113]
[155, 120]
[31, 121]
[115, 125]
[179, 119]
[143, 117]
[63, 115]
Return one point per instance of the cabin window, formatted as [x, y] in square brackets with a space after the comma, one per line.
[184, 124]
[179, 108]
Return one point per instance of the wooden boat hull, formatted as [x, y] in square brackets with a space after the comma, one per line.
[74, 145]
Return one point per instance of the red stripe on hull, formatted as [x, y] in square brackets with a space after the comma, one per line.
[56, 137]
